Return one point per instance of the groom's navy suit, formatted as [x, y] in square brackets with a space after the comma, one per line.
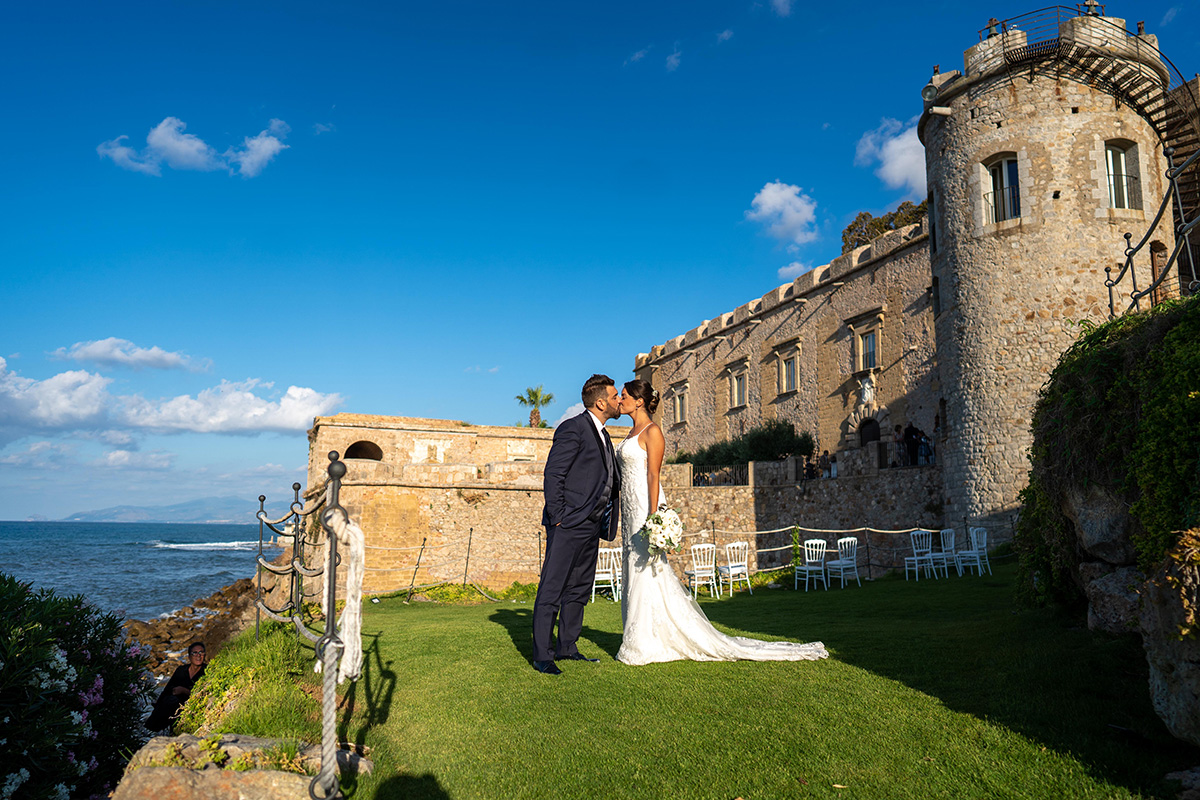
[582, 486]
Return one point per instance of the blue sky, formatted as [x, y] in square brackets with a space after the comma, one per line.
[220, 219]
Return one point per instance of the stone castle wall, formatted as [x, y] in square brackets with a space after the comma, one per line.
[489, 532]
[820, 317]
[1011, 290]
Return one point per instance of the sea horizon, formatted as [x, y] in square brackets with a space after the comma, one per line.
[141, 570]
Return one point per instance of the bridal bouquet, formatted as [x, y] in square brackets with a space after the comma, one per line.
[663, 531]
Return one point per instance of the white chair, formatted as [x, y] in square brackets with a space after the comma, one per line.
[814, 564]
[847, 561]
[977, 556]
[704, 569]
[922, 557]
[944, 557]
[737, 560]
[608, 572]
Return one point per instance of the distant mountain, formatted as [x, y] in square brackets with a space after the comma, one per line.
[204, 510]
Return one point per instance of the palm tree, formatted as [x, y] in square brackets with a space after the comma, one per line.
[535, 399]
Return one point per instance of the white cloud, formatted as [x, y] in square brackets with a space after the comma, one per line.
[322, 127]
[114, 352]
[673, 59]
[126, 157]
[638, 56]
[477, 368]
[258, 151]
[782, 7]
[1169, 16]
[39, 455]
[792, 270]
[572, 411]
[167, 143]
[725, 35]
[78, 402]
[900, 154]
[789, 215]
[76, 398]
[231, 408]
[132, 460]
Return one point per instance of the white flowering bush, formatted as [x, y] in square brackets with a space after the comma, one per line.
[663, 531]
[73, 696]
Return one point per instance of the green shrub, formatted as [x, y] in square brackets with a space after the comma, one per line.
[72, 695]
[254, 688]
[774, 440]
[1117, 413]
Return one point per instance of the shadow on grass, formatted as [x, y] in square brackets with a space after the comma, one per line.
[1038, 672]
[519, 625]
[403, 787]
[375, 688]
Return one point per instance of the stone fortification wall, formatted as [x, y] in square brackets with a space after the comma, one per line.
[819, 318]
[1012, 282]
[501, 524]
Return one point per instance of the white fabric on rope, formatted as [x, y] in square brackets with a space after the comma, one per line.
[350, 537]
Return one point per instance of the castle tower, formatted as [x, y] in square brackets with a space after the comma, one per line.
[1040, 156]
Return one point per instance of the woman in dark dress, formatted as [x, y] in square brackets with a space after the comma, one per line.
[177, 690]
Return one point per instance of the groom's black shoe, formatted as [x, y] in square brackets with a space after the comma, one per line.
[577, 657]
[547, 668]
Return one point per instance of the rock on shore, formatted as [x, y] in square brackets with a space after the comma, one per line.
[213, 620]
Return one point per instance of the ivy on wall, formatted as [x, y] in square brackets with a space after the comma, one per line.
[1121, 412]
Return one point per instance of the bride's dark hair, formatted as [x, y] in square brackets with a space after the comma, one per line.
[642, 390]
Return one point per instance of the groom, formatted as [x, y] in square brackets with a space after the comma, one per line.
[582, 486]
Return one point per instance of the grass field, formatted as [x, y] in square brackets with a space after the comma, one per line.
[933, 689]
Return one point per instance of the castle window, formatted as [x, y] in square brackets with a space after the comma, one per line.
[679, 404]
[867, 350]
[865, 331]
[936, 291]
[365, 450]
[787, 374]
[1124, 187]
[787, 365]
[931, 214]
[737, 389]
[1004, 200]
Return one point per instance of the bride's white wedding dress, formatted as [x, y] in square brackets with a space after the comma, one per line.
[662, 621]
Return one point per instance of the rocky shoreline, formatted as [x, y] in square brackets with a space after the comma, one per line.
[214, 620]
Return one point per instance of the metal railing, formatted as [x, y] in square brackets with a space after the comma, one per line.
[727, 475]
[328, 645]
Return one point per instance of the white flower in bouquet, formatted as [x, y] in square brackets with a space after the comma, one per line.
[663, 531]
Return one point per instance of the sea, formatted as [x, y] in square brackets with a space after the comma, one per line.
[141, 570]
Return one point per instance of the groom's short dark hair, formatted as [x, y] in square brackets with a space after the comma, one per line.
[593, 389]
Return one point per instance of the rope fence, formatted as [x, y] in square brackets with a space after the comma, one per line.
[495, 555]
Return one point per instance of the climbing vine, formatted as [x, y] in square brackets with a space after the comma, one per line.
[1118, 413]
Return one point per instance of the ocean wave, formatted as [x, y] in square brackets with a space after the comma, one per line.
[243, 546]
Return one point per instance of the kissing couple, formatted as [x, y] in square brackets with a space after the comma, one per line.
[590, 486]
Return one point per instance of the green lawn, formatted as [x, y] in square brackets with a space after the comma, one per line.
[934, 689]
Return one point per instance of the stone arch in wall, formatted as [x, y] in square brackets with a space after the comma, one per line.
[364, 450]
[853, 425]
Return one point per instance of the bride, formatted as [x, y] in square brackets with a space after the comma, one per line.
[662, 622]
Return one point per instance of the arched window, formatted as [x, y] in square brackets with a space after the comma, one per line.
[1004, 200]
[366, 450]
[1124, 185]
[868, 431]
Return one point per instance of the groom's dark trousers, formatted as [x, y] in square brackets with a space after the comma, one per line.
[582, 485]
